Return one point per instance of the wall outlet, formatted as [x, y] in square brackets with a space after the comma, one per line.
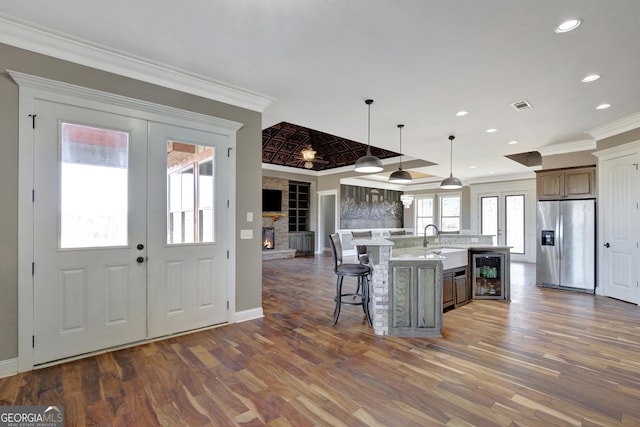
[246, 234]
[474, 240]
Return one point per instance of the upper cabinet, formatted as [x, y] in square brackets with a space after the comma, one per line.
[574, 183]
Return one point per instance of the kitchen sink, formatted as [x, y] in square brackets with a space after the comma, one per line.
[453, 257]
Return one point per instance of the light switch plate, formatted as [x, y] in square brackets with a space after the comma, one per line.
[246, 234]
[249, 216]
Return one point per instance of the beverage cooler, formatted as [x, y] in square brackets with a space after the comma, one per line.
[488, 276]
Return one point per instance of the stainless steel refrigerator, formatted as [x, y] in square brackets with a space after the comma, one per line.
[566, 236]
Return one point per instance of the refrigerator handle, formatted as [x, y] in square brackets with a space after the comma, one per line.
[560, 236]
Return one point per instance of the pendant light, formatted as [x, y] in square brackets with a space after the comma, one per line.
[451, 183]
[400, 176]
[368, 163]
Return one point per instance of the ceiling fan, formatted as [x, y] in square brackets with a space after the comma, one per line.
[308, 156]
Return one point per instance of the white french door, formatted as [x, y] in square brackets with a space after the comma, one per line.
[89, 217]
[115, 261]
[187, 222]
[503, 216]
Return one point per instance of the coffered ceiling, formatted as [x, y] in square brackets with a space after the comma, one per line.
[422, 61]
[283, 143]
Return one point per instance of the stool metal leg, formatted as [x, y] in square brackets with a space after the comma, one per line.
[336, 311]
[365, 299]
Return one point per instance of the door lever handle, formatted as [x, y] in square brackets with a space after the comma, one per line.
[606, 245]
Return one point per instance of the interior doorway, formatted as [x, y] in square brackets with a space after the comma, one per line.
[327, 219]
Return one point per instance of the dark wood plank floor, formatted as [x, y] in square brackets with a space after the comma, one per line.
[547, 358]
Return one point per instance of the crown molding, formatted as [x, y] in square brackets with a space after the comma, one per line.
[615, 128]
[63, 46]
[568, 147]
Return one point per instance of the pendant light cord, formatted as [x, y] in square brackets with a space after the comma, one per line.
[451, 137]
[369, 102]
[400, 127]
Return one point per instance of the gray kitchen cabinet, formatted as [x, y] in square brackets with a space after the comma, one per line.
[455, 289]
[302, 241]
[415, 298]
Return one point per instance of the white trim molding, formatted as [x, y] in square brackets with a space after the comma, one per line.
[568, 147]
[8, 367]
[616, 127]
[26, 35]
[243, 316]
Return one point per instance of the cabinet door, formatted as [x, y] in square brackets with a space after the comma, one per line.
[447, 290]
[580, 183]
[550, 185]
[462, 294]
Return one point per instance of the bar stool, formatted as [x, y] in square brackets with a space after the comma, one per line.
[341, 269]
[361, 250]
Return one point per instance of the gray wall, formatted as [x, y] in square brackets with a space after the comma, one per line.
[248, 177]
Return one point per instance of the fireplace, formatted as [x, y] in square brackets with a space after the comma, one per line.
[268, 238]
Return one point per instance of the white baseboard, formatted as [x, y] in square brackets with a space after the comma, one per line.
[8, 367]
[243, 316]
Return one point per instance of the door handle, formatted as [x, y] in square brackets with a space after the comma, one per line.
[140, 260]
[606, 245]
[140, 246]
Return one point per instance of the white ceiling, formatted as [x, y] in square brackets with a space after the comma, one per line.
[420, 60]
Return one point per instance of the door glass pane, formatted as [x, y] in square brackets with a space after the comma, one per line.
[514, 223]
[94, 187]
[205, 201]
[190, 193]
[489, 217]
[450, 214]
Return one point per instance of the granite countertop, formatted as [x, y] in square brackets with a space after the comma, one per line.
[373, 241]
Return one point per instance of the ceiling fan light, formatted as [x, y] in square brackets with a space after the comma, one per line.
[368, 164]
[308, 154]
[400, 177]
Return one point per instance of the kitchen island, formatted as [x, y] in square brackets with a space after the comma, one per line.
[411, 284]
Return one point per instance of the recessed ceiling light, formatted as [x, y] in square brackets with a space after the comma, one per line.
[462, 113]
[603, 106]
[472, 167]
[492, 130]
[590, 78]
[568, 25]
[512, 142]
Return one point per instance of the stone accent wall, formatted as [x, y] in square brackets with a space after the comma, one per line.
[379, 289]
[279, 223]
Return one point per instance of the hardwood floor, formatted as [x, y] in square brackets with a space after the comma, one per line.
[547, 358]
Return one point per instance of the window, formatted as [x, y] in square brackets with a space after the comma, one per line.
[94, 187]
[424, 212]
[190, 216]
[514, 226]
[450, 213]
[299, 206]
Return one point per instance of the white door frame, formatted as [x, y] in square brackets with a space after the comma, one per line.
[321, 231]
[628, 149]
[32, 88]
[526, 187]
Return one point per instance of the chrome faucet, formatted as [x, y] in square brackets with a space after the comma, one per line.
[425, 242]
